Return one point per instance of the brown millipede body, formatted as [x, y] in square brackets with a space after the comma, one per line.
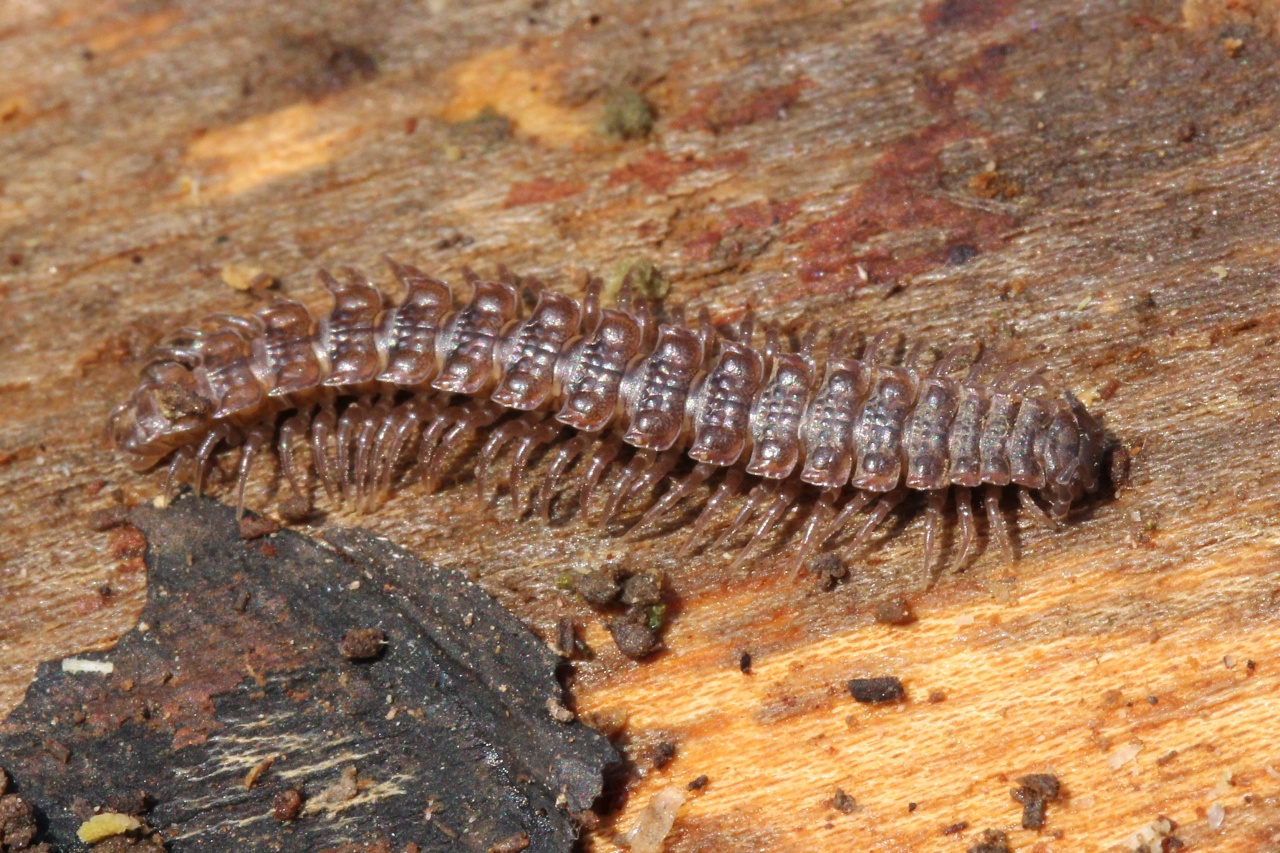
[372, 394]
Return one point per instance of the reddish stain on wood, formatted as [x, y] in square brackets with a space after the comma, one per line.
[966, 15]
[900, 196]
[540, 190]
[903, 193]
[753, 217]
[716, 111]
[657, 170]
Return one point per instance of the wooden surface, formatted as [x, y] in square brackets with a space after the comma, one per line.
[1090, 186]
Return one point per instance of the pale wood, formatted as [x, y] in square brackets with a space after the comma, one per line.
[1115, 172]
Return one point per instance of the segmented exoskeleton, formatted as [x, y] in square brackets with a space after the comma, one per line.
[372, 395]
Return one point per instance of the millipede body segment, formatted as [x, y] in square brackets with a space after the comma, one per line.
[373, 395]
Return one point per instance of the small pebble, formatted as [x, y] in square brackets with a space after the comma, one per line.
[286, 805]
[876, 691]
[632, 635]
[363, 643]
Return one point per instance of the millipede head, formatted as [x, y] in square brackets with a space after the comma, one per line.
[163, 414]
[1072, 452]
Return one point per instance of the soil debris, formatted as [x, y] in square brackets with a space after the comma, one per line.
[877, 691]
[991, 841]
[626, 114]
[286, 805]
[633, 636]
[894, 611]
[364, 643]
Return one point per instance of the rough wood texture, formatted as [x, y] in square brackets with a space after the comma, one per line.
[1090, 187]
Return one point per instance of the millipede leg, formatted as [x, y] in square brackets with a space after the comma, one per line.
[756, 499]
[366, 442]
[728, 487]
[937, 502]
[349, 425]
[847, 512]
[818, 522]
[618, 493]
[968, 528]
[323, 430]
[878, 514]
[661, 466]
[216, 436]
[259, 436]
[675, 494]
[389, 419]
[542, 434]
[472, 417]
[427, 457]
[996, 521]
[783, 498]
[291, 430]
[604, 454]
[486, 484]
[403, 428]
[171, 477]
[561, 459]
[1028, 502]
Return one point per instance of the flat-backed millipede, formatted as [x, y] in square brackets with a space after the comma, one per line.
[375, 395]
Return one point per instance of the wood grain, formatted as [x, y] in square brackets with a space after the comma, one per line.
[1074, 183]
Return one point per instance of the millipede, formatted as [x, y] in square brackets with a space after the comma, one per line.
[509, 376]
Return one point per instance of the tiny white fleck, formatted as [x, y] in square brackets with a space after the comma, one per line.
[75, 665]
[1125, 754]
[1217, 814]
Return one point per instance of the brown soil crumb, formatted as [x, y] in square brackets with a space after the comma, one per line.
[632, 635]
[136, 802]
[744, 663]
[830, 570]
[1033, 814]
[955, 828]
[626, 114]
[567, 639]
[17, 821]
[936, 697]
[877, 691]
[662, 753]
[1044, 786]
[992, 841]
[894, 611]
[1036, 790]
[255, 527]
[642, 589]
[287, 805]
[843, 802]
[512, 844]
[993, 184]
[363, 643]
[295, 510]
[601, 587]
[699, 783]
